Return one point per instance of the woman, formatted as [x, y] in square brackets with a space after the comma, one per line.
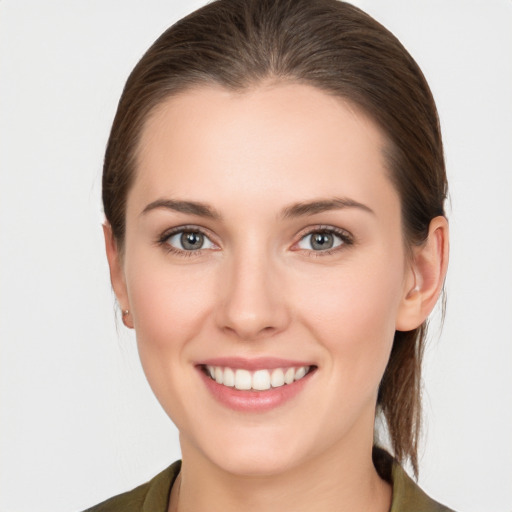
[273, 187]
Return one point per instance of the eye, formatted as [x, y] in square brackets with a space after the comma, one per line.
[322, 240]
[189, 240]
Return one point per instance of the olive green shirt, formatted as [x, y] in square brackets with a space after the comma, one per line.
[153, 496]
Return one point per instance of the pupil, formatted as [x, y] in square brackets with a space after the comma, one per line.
[191, 241]
[322, 241]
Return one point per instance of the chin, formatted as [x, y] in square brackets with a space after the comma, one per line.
[249, 451]
[256, 463]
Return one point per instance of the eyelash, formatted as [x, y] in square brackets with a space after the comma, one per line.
[346, 240]
[345, 236]
[164, 237]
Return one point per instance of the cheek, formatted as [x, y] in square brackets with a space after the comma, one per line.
[170, 303]
[170, 306]
[353, 315]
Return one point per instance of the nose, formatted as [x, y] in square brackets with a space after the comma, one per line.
[253, 302]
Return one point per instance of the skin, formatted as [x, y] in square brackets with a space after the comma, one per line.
[259, 289]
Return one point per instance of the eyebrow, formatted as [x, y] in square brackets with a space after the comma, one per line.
[191, 207]
[301, 209]
[323, 205]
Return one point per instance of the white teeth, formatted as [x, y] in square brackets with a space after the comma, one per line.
[277, 378]
[289, 376]
[260, 380]
[300, 372]
[229, 377]
[243, 380]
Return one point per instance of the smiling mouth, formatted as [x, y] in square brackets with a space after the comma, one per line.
[259, 380]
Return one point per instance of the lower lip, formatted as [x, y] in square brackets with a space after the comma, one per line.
[254, 401]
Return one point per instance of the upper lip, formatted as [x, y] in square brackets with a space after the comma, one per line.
[257, 363]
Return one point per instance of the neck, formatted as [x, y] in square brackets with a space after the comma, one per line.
[329, 482]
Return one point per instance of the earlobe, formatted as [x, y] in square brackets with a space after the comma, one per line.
[116, 274]
[426, 277]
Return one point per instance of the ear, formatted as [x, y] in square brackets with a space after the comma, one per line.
[425, 277]
[117, 274]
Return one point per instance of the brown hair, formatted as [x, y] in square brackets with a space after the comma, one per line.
[333, 46]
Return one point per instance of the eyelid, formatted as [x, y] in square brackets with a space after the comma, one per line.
[164, 237]
[345, 236]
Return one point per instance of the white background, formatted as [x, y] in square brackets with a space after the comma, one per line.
[78, 422]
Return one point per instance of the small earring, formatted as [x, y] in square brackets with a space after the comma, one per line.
[126, 312]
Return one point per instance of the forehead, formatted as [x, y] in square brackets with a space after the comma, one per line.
[287, 140]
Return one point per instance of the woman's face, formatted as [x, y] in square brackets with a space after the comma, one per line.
[264, 241]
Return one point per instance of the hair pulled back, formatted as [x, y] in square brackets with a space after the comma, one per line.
[339, 49]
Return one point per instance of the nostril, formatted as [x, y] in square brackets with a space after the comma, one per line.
[248, 333]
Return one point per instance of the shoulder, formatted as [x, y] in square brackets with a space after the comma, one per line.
[128, 501]
[408, 497]
[153, 495]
